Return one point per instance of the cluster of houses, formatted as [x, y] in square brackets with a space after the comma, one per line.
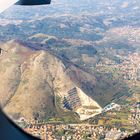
[111, 106]
[74, 131]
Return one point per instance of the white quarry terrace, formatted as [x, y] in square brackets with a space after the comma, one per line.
[82, 104]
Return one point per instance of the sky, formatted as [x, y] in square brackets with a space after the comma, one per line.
[4, 4]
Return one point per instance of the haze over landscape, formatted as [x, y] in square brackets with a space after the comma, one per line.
[74, 62]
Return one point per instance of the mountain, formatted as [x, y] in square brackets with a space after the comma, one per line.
[93, 42]
[68, 61]
[37, 84]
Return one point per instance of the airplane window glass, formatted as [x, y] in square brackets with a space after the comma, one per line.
[71, 69]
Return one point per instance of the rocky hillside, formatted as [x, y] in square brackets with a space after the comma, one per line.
[35, 84]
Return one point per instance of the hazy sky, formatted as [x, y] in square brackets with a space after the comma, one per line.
[4, 4]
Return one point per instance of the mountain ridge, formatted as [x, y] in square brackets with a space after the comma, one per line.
[38, 77]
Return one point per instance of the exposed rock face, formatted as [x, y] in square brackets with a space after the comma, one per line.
[32, 79]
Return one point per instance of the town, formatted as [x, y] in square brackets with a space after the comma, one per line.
[115, 122]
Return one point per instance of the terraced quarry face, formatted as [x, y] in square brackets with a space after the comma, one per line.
[72, 63]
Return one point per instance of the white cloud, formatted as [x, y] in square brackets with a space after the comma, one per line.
[125, 5]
